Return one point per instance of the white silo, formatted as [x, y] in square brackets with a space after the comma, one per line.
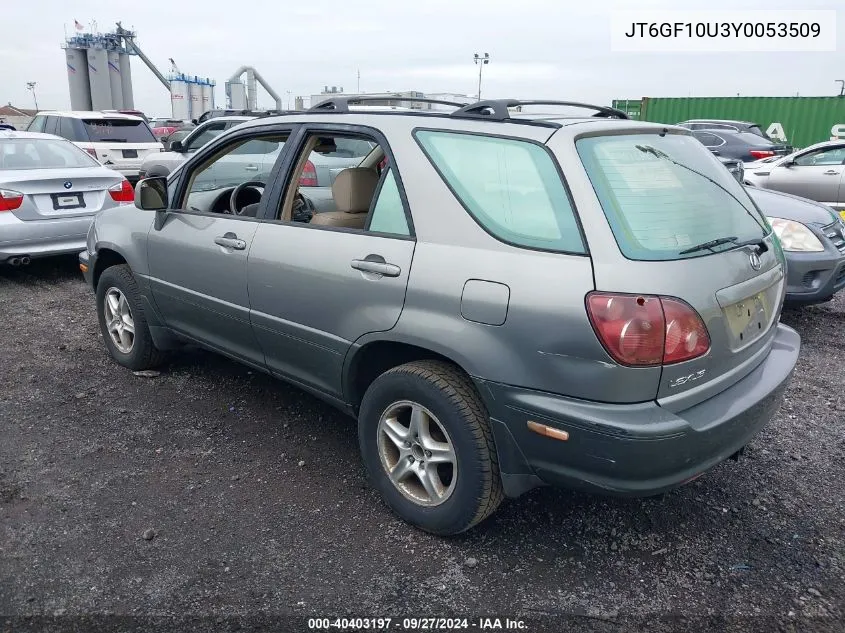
[115, 80]
[126, 82]
[180, 99]
[77, 79]
[98, 78]
[207, 96]
[195, 90]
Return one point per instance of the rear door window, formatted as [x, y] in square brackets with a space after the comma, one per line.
[118, 131]
[662, 195]
[511, 187]
[52, 125]
[37, 124]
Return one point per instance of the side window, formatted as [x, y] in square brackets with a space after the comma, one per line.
[210, 131]
[212, 182]
[709, 140]
[833, 156]
[37, 124]
[510, 187]
[52, 125]
[334, 181]
[67, 129]
[388, 214]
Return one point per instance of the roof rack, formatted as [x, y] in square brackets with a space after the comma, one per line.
[341, 104]
[497, 109]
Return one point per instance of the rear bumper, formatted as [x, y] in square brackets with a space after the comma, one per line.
[814, 277]
[637, 449]
[41, 238]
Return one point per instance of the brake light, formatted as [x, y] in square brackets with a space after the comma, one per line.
[309, 175]
[10, 200]
[642, 330]
[761, 153]
[92, 152]
[122, 192]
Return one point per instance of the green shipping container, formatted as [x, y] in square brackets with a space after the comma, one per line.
[799, 121]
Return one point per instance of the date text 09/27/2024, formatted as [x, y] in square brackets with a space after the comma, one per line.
[415, 624]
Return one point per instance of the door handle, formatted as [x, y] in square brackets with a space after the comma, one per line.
[251, 168]
[381, 268]
[230, 240]
[830, 172]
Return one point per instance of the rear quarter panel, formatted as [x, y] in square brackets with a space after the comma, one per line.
[546, 341]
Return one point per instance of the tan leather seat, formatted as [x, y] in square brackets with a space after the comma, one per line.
[353, 191]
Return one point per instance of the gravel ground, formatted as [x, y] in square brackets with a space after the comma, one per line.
[215, 492]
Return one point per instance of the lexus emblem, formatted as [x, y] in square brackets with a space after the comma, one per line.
[754, 259]
[68, 184]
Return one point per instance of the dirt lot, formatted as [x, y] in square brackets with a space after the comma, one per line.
[215, 492]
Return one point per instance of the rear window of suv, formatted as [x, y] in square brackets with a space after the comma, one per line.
[511, 187]
[665, 194]
[118, 131]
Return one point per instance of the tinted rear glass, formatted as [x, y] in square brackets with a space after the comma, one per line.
[42, 154]
[118, 131]
[657, 208]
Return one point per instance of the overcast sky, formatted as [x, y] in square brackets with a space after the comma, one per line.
[539, 49]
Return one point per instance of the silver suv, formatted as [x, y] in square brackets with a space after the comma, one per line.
[501, 300]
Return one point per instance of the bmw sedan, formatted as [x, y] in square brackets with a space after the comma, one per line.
[49, 192]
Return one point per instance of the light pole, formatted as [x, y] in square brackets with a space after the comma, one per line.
[30, 85]
[480, 62]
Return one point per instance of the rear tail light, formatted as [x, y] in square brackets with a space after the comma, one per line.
[10, 200]
[92, 151]
[646, 330]
[122, 192]
[309, 175]
[761, 153]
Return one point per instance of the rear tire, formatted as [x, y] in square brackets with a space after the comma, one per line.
[123, 322]
[436, 495]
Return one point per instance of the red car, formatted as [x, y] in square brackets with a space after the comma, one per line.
[162, 128]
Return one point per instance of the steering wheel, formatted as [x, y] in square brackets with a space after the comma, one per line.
[303, 208]
[233, 199]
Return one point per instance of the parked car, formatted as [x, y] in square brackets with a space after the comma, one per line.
[163, 128]
[742, 145]
[725, 124]
[49, 191]
[812, 236]
[504, 303]
[179, 151]
[118, 141]
[816, 172]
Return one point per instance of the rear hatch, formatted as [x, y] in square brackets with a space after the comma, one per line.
[120, 143]
[678, 226]
[60, 193]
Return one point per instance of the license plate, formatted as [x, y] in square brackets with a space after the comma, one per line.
[749, 318]
[68, 201]
[130, 153]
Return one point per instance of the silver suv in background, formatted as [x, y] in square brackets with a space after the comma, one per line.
[500, 302]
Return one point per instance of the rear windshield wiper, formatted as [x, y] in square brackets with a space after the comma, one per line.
[732, 239]
[648, 149]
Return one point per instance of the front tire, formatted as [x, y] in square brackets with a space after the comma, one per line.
[123, 322]
[428, 448]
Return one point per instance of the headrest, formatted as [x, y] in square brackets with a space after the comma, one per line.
[353, 189]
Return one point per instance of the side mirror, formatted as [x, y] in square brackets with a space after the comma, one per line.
[151, 194]
[788, 163]
[176, 146]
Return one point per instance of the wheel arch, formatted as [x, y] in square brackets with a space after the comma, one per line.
[107, 256]
[366, 361]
